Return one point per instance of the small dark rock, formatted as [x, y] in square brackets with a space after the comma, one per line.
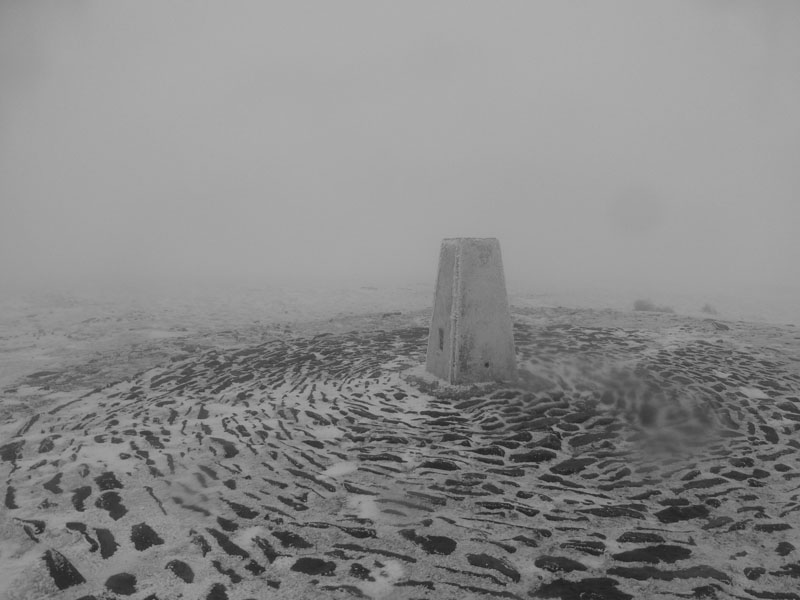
[644, 573]
[673, 502]
[640, 537]
[595, 548]
[107, 481]
[79, 495]
[784, 549]
[498, 564]
[673, 514]
[226, 544]
[108, 545]
[557, 564]
[227, 524]
[12, 451]
[595, 588]
[245, 512]
[314, 566]
[62, 571]
[52, 485]
[790, 570]
[266, 548]
[254, 568]
[122, 583]
[432, 544]
[359, 571]
[773, 595]
[772, 527]
[717, 522]
[614, 512]
[440, 464]
[706, 591]
[111, 502]
[181, 570]
[572, 465]
[217, 592]
[534, 456]
[654, 554]
[143, 537]
[289, 539]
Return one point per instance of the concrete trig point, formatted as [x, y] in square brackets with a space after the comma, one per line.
[471, 338]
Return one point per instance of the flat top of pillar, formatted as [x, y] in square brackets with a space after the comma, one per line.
[470, 239]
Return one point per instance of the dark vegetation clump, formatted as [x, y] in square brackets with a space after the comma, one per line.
[708, 309]
[648, 306]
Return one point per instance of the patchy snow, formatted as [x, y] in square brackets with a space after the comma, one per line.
[340, 468]
[365, 506]
[385, 578]
[753, 393]
[120, 340]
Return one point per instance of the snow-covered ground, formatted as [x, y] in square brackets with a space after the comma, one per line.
[50, 329]
[56, 347]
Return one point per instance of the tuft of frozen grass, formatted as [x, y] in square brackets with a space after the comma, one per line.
[708, 309]
[649, 306]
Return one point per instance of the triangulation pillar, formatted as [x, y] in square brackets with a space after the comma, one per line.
[471, 339]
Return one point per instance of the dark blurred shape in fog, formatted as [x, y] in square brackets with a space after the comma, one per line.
[615, 145]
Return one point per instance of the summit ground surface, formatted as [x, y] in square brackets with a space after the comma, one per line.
[639, 455]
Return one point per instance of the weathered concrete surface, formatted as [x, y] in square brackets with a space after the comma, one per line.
[471, 337]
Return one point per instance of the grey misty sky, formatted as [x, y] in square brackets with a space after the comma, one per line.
[617, 141]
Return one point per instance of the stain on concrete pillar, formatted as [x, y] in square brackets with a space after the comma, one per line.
[471, 338]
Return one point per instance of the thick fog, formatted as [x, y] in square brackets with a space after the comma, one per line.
[615, 143]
